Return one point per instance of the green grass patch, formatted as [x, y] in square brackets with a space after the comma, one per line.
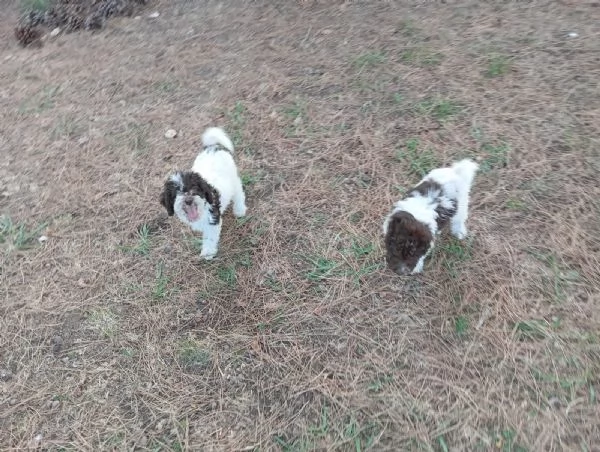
[160, 289]
[227, 275]
[39, 6]
[422, 57]
[498, 65]
[142, 246]
[420, 160]
[379, 383]
[248, 180]
[104, 321]
[461, 325]
[17, 236]
[236, 117]
[191, 354]
[321, 268]
[439, 108]
[495, 156]
[43, 101]
[505, 441]
[369, 60]
[532, 330]
[516, 204]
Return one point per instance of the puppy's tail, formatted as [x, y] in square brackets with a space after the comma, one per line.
[466, 170]
[214, 136]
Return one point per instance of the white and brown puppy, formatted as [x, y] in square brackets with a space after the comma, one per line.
[442, 196]
[200, 197]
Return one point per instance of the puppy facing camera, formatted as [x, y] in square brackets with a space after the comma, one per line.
[440, 198]
[200, 196]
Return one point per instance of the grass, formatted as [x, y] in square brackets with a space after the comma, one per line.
[419, 160]
[498, 65]
[43, 101]
[321, 268]
[142, 247]
[65, 127]
[236, 118]
[439, 108]
[461, 325]
[34, 5]
[227, 275]
[369, 60]
[137, 138]
[532, 330]
[193, 355]
[495, 156]
[160, 289]
[104, 321]
[249, 180]
[422, 56]
[296, 337]
[557, 278]
[18, 236]
[380, 383]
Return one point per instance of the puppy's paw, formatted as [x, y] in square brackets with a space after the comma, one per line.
[239, 211]
[459, 231]
[208, 255]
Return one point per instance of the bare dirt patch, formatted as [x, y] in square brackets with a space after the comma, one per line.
[115, 336]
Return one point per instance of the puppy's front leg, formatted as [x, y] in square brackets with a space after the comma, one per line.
[210, 241]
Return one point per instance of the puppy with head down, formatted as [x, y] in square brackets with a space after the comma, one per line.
[440, 198]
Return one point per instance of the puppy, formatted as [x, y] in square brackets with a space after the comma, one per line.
[200, 197]
[442, 196]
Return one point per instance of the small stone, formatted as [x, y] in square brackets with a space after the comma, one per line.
[55, 404]
[326, 31]
[43, 239]
[5, 375]
[154, 15]
[171, 133]
[57, 343]
[12, 402]
[298, 121]
[55, 32]
[554, 402]
[573, 35]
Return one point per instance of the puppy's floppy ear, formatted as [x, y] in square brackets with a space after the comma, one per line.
[206, 191]
[168, 195]
[213, 198]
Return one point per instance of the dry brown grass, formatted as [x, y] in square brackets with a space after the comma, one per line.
[296, 338]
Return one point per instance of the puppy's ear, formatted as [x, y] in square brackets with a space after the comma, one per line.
[208, 192]
[214, 200]
[168, 195]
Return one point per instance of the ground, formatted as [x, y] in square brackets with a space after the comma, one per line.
[115, 336]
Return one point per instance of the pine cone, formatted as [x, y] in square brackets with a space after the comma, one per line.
[27, 35]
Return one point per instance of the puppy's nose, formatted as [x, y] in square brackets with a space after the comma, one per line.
[189, 201]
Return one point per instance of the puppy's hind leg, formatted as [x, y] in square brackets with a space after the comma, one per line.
[239, 200]
[210, 241]
[465, 170]
[459, 220]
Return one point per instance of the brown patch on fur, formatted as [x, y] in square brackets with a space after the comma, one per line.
[428, 187]
[444, 214]
[193, 184]
[406, 241]
[432, 189]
